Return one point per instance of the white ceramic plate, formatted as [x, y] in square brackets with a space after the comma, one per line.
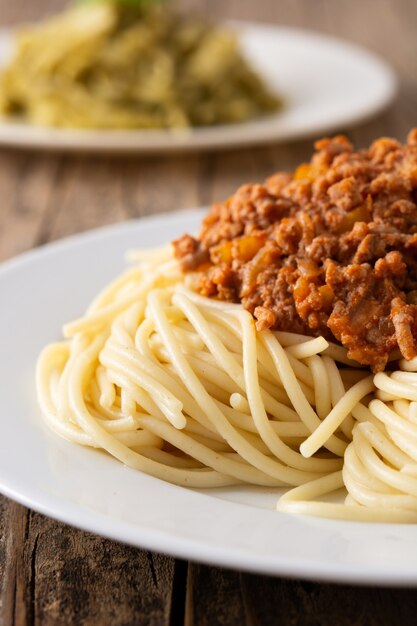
[328, 84]
[234, 527]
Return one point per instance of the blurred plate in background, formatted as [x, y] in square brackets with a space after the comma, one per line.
[328, 84]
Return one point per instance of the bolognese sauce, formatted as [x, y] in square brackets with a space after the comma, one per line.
[329, 249]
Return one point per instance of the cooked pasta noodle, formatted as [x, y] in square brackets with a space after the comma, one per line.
[184, 388]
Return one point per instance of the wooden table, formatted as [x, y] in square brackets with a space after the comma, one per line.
[51, 574]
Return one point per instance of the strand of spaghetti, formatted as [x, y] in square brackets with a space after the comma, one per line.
[222, 464]
[402, 407]
[308, 348]
[109, 413]
[394, 387]
[312, 489]
[276, 410]
[393, 419]
[334, 351]
[226, 335]
[300, 370]
[213, 343]
[337, 391]
[221, 379]
[172, 460]
[196, 427]
[405, 444]
[413, 412]
[402, 433]
[406, 377]
[184, 477]
[124, 326]
[361, 413]
[222, 356]
[137, 438]
[400, 507]
[339, 354]
[408, 366]
[142, 399]
[76, 347]
[220, 305]
[127, 403]
[336, 387]
[152, 255]
[287, 339]
[268, 383]
[99, 317]
[410, 469]
[336, 416]
[260, 418]
[306, 413]
[239, 403]
[253, 439]
[367, 439]
[102, 316]
[359, 474]
[214, 374]
[245, 421]
[299, 501]
[210, 444]
[142, 335]
[350, 513]
[321, 385]
[106, 388]
[230, 333]
[163, 398]
[376, 499]
[114, 412]
[385, 396]
[406, 409]
[46, 363]
[274, 396]
[217, 315]
[189, 341]
[168, 377]
[216, 392]
[71, 431]
[271, 467]
[119, 425]
[109, 293]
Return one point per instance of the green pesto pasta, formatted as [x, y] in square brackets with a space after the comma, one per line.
[115, 66]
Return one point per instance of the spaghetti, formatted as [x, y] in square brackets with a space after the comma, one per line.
[185, 388]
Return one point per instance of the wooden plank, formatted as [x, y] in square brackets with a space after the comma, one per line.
[295, 603]
[54, 575]
[214, 596]
[24, 11]
[227, 598]
[27, 183]
[15, 606]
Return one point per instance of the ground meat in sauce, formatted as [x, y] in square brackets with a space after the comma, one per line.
[330, 249]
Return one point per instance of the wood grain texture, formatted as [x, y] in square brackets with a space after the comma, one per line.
[217, 596]
[51, 574]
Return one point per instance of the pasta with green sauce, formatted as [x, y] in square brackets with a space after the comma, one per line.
[130, 64]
